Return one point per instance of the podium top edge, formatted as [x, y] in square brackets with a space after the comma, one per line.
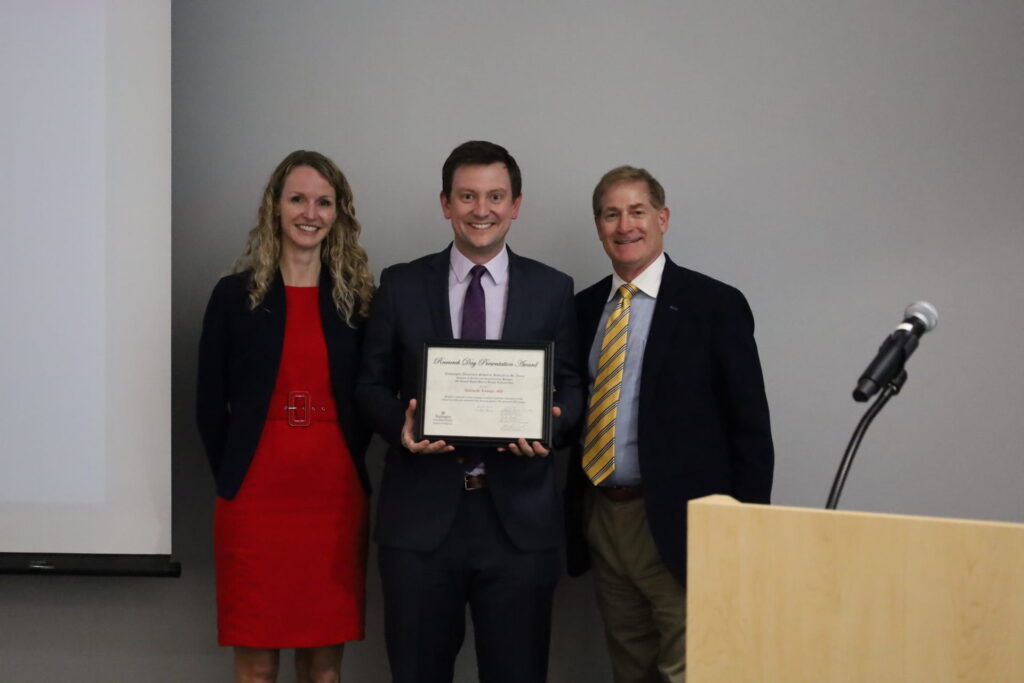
[720, 501]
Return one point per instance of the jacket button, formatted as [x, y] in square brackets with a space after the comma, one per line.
[460, 460]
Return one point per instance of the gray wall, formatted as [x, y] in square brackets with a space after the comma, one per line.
[835, 161]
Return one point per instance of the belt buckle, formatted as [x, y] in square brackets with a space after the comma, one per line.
[465, 482]
[299, 400]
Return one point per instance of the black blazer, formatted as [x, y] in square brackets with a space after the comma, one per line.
[239, 354]
[703, 423]
[419, 494]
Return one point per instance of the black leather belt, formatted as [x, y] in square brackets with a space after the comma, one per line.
[472, 482]
[621, 494]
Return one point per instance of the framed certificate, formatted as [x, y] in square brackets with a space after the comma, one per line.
[485, 393]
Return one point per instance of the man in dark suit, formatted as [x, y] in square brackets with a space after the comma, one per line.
[676, 411]
[474, 526]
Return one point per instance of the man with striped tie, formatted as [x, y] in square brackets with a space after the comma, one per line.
[676, 410]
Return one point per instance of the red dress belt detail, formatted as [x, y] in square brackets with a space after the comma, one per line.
[301, 408]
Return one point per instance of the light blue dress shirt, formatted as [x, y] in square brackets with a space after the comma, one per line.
[641, 311]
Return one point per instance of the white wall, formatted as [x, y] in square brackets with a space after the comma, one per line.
[835, 161]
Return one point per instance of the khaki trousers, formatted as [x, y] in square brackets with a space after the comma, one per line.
[642, 604]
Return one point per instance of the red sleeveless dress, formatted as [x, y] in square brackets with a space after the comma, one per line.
[290, 548]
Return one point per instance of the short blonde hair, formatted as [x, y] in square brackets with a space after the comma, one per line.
[628, 174]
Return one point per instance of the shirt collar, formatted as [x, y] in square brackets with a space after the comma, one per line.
[648, 281]
[497, 266]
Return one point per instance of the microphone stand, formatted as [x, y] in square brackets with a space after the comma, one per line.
[891, 389]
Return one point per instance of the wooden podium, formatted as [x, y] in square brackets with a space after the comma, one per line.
[794, 595]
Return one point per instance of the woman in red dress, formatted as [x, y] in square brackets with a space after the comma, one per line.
[277, 365]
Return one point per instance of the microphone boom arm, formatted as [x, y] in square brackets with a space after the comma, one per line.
[890, 390]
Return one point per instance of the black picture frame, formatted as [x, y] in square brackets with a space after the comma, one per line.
[474, 350]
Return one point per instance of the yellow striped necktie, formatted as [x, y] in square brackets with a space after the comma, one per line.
[599, 436]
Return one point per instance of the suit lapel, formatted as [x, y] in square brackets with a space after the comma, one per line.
[516, 303]
[437, 294]
[328, 316]
[669, 313]
[271, 318]
[334, 327]
[274, 305]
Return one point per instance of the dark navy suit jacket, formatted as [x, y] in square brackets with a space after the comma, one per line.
[420, 493]
[703, 423]
[239, 354]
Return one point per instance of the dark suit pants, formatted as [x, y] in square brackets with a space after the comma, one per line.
[508, 591]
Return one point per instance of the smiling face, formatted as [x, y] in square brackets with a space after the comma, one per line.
[481, 209]
[630, 228]
[306, 211]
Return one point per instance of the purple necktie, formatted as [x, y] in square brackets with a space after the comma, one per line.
[474, 326]
[474, 316]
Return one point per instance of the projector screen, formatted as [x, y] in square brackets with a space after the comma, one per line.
[85, 376]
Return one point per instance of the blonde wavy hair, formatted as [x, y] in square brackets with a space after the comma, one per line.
[340, 251]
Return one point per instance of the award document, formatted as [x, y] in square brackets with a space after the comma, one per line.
[485, 393]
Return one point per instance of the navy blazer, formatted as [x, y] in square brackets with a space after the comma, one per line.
[419, 493]
[239, 354]
[703, 422]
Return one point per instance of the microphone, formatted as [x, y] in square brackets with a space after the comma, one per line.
[920, 317]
